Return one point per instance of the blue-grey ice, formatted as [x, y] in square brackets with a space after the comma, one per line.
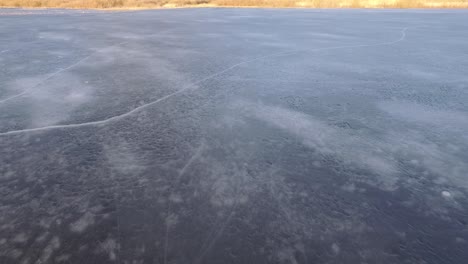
[233, 136]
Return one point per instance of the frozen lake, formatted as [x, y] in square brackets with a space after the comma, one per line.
[233, 136]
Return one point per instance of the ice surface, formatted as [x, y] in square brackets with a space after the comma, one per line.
[233, 135]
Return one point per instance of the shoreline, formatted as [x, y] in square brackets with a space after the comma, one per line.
[168, 7]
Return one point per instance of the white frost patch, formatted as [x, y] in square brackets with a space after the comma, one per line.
[7, 175]
[153, 66]
[441, 160]
[84, 222]
[445, 160]
[53, 245]
[126, 35]
[14, 253]
[20, 238]
[175, 198]
[76, 97]
[123, 157]
[287, 255]
[323, 35]
[55, 99]
[222, 195]
[55, 36]
[421, 73]
[335, 248]
[378, 164]
[446, 194]
[172, 220]
[351, 149]
[381, 155]
[349, 187]
[110, 246]
[19, 87]
[42, 237]
[419, 113]
[62, 258]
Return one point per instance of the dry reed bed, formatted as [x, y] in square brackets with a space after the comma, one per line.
[237, 3]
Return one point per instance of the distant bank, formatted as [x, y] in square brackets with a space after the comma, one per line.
[236, 3]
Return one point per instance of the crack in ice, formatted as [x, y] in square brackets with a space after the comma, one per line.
[179, 176]
[192, 85]
[58, 72]
[71, 66]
